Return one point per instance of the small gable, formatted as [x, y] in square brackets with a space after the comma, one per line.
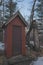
[17, 14]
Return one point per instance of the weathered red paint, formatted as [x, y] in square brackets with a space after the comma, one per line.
[8, 36]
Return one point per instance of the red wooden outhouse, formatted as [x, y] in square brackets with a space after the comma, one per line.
[14, 35]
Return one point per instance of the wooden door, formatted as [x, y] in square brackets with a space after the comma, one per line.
[17, 40]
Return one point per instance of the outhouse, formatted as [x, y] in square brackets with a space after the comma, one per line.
[14, 35]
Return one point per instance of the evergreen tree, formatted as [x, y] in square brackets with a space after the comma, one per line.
[0, 2]
[10, 9]
[39, 10]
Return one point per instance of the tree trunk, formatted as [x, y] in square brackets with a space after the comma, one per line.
[32, 12]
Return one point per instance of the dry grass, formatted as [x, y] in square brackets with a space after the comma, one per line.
[34, 53]
[41, 52]
[1, 59]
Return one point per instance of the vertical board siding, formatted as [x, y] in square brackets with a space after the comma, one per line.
[17, 40]
[15, 22]
[23, 41]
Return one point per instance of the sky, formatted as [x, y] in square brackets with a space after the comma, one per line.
[25, 7]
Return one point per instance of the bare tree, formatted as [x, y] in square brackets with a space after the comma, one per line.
[32, 11]
[35, 33]
[31, 19]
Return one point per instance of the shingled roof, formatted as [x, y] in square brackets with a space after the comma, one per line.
[19, 14]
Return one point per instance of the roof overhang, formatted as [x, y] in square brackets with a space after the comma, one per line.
[16, 14]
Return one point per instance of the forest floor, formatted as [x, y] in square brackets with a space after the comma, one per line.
[32, 54]
[35, 53]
